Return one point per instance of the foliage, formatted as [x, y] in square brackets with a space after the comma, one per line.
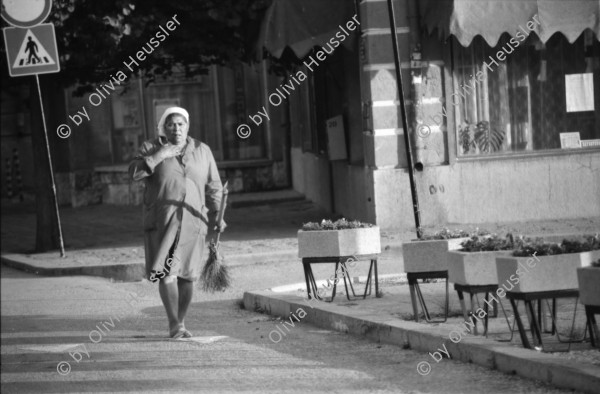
[96, 37]
[480, 136]
[541, 248]
[490, 244]
[341, 224]
[446, 233]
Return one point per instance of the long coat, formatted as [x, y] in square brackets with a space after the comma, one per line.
[179, 193]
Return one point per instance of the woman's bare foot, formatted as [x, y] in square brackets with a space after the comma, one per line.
[177, 332]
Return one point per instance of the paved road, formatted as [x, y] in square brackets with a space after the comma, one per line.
[45, 319]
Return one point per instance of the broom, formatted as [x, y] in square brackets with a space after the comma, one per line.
[215, 274]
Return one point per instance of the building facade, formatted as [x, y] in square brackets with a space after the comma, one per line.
[503, 111]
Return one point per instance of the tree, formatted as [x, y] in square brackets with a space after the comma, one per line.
[95, 37]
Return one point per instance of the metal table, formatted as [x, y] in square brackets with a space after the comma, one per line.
[472, 290]
[536, 320]
[340, 261]
[415, 292]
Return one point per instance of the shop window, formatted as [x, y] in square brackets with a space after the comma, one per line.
[533, 97]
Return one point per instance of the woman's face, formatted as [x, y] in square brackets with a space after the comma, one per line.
[176, 129]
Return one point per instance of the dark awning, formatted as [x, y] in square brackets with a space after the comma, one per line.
[303, 24]
[491, 18]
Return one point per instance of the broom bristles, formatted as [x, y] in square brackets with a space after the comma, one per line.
[215, 274]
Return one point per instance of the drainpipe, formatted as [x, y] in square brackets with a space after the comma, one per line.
[407, 144]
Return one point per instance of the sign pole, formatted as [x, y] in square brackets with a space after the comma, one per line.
[60, 236]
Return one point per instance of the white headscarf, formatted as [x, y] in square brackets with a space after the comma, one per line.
[169, 111]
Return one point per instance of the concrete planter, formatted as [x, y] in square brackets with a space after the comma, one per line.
[474, 268]
[589, 285]
[544, 273]
[330, 243]
[427, 256]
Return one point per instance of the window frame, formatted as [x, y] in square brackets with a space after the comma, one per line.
[451, 81]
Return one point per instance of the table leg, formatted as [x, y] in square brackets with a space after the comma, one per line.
[472, 304]
[422, 302]
[413, 298]
[461, 299]
[535, 328]
[592, 326]
[485, 309]
[541, 316]
[494, 307]
[313, 283]
[553, 314]
[335, 280]
[447, 306]
[304, 265]
[374, 261]
[368, 285]
[522, 332]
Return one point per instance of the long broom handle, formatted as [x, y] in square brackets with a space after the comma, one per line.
[221, 213]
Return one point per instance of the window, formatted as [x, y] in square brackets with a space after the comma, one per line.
[526, 96]
[241, 94]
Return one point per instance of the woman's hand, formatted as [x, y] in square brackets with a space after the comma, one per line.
[220, 227]
[168, 151]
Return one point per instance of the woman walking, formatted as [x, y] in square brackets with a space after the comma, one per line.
[182, 187]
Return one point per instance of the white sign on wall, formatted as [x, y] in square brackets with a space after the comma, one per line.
[570, 140]
[336, 138]
[579, 89]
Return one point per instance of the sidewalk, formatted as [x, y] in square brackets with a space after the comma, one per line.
[390, 320]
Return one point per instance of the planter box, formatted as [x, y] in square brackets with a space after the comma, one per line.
[427, 256]
[589, 285]
[331, 243]
[558, 272]
[474, 268]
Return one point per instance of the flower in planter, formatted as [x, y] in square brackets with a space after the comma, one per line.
[490, 244]
[528, 247]
[340, 224]
[446, 233]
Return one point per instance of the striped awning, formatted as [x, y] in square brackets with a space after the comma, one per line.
[491, 18]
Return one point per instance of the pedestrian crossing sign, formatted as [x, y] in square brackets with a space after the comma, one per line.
[31, 50]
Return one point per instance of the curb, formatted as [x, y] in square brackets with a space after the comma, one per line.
[505, 358]
[124, 272]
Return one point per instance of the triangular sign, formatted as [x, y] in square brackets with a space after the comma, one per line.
[32, 53]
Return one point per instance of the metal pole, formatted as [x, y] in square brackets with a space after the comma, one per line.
[411, 175]
[60, 236]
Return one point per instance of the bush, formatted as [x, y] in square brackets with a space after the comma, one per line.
[341, 224]
[541, 248]
[450, 234]
[489, 244]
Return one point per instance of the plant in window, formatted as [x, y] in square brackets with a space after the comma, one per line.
[480, 136]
